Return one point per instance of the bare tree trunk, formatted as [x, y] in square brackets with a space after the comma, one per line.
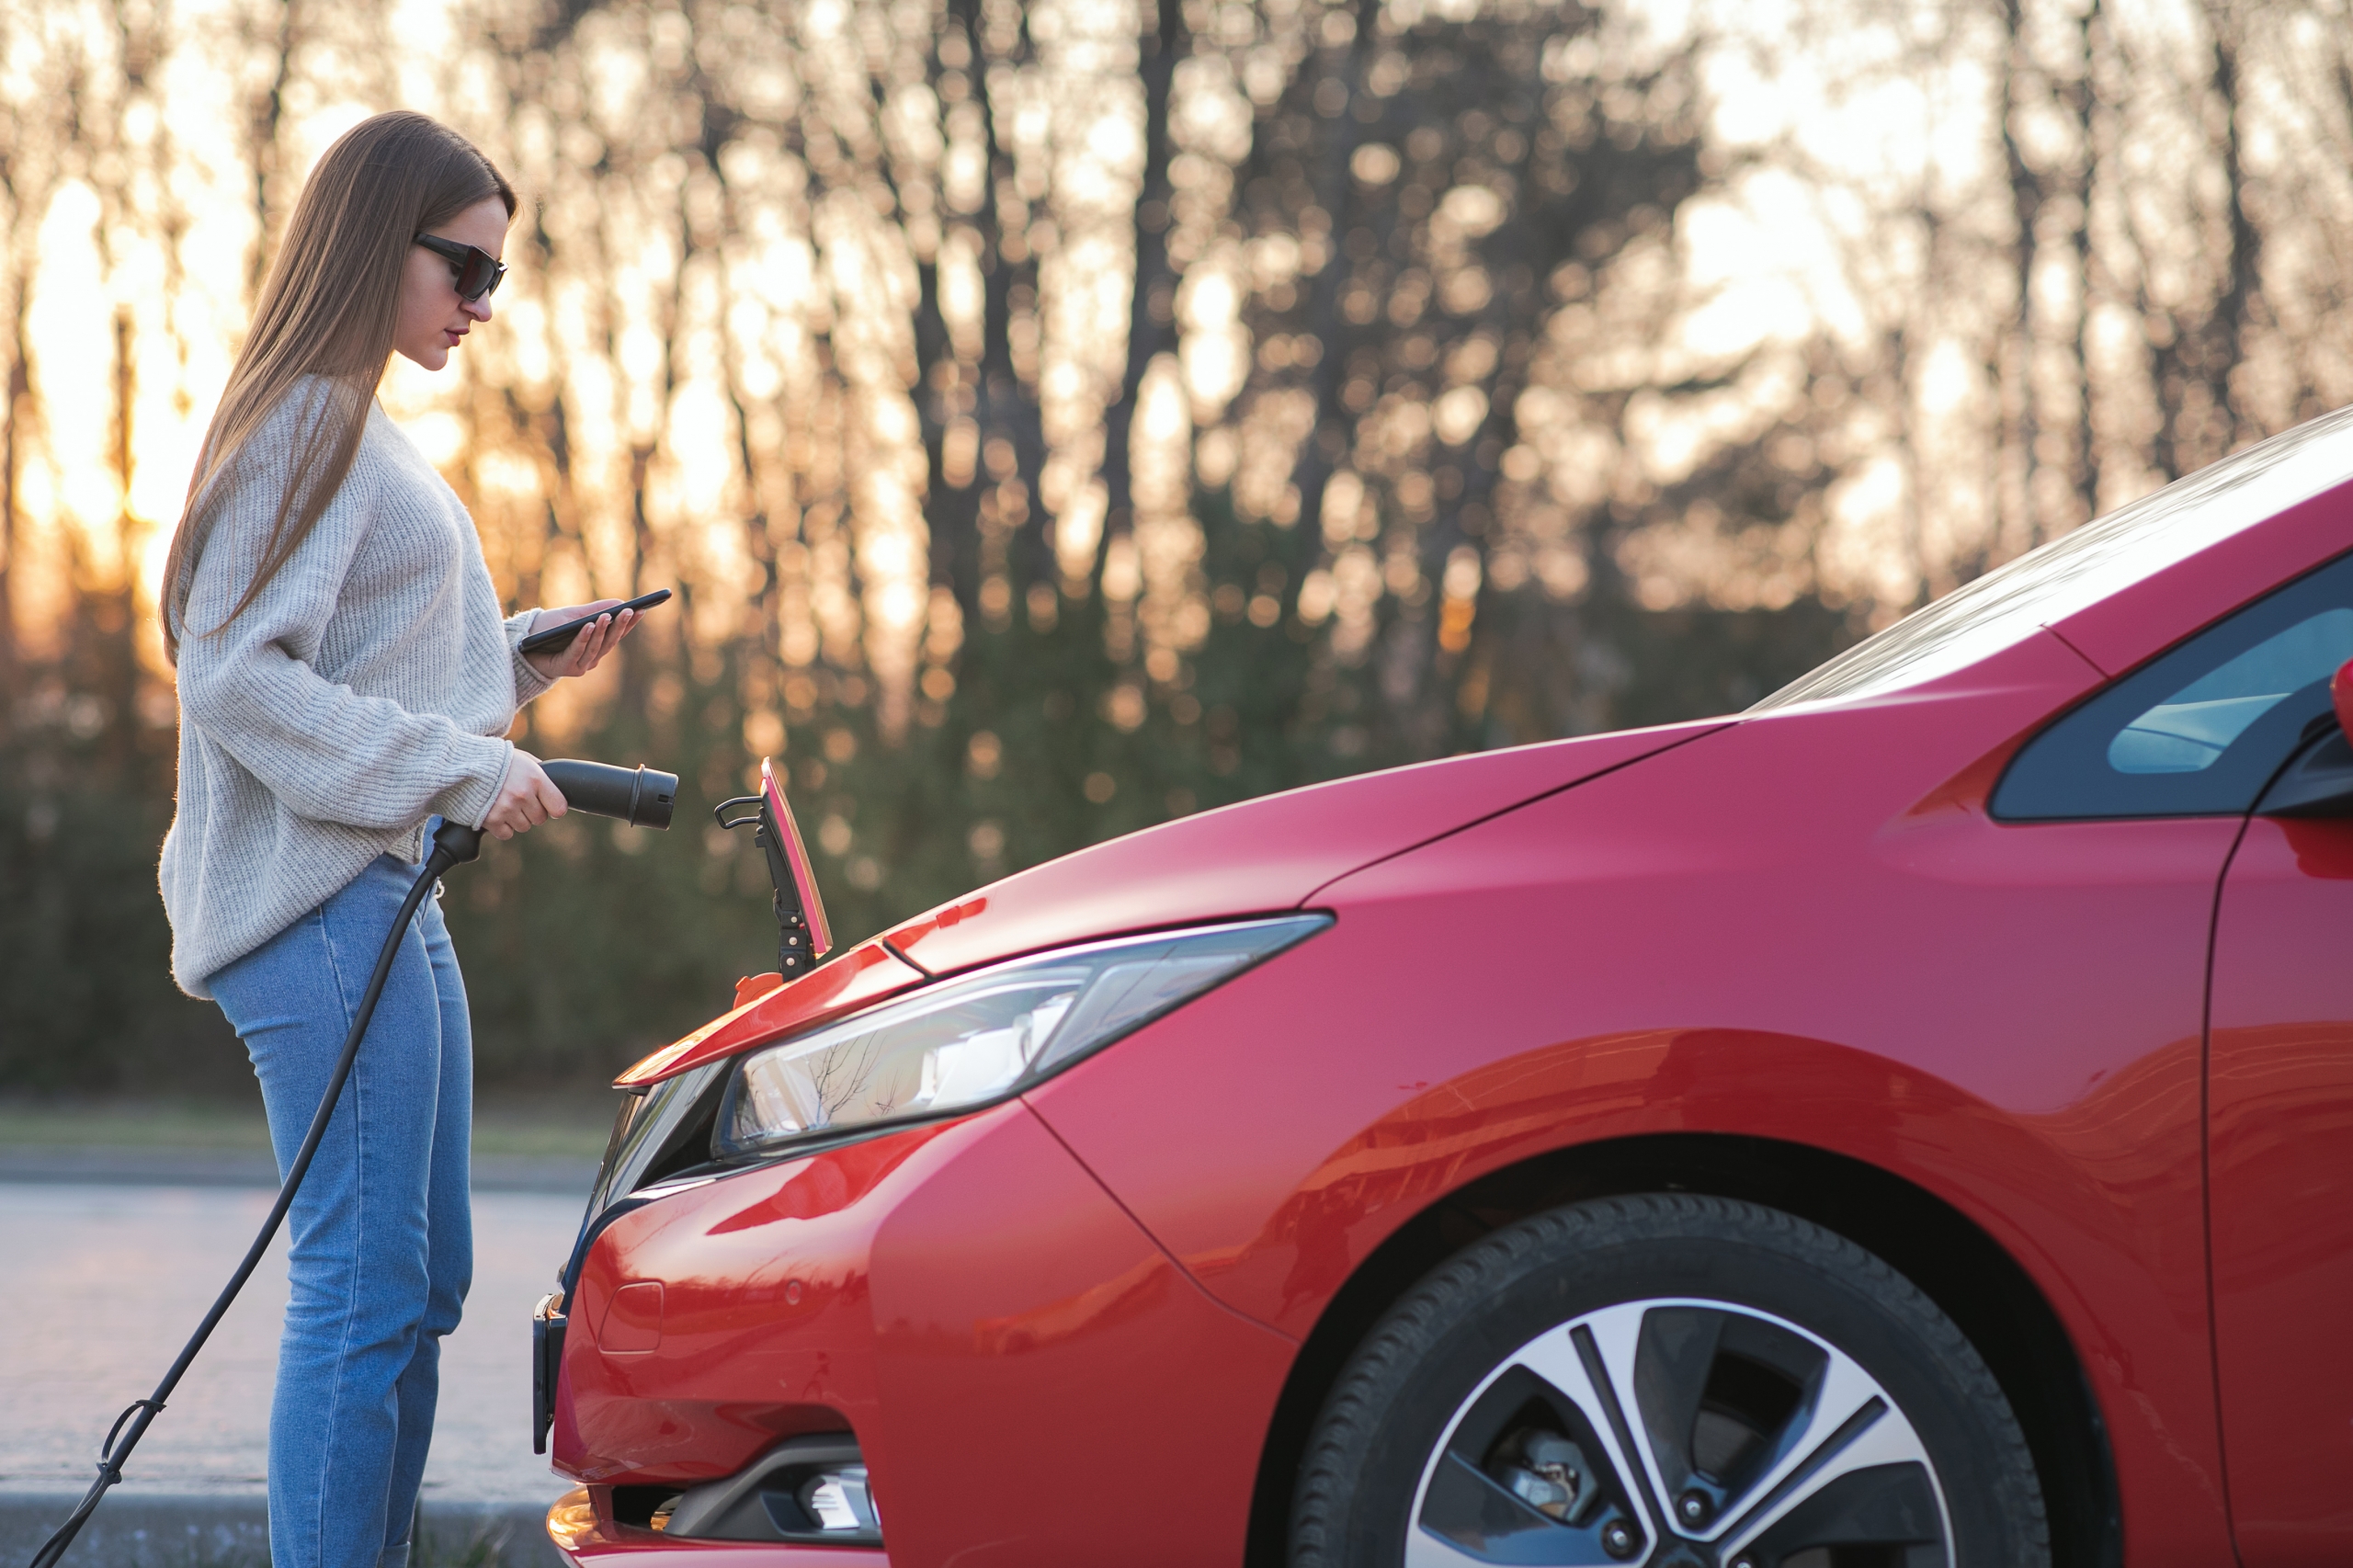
[2242, 293]
[2026, 215]
[28, 196]
[20, 410]
[2198, 414]
[265, 117]
[1006, 408]
[119, 664]
[1469, 520]
[951, 513]
[1151, 321]
[1329, 438]
[2082, 98]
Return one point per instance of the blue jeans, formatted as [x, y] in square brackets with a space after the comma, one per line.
[383, 1233]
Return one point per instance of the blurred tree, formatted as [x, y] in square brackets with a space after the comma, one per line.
[1056, 417]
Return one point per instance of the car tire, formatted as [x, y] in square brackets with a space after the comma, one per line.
[1785, 1392]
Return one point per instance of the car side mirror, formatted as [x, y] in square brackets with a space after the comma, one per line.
[2319, 782]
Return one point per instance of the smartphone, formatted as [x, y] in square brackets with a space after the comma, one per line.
[556, 637]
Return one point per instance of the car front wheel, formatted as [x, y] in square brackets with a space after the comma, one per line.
[1671, 1381]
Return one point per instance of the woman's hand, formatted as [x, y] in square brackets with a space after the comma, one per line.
[525, 798]
[589, 646]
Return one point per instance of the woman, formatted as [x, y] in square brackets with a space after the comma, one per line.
[345, 674]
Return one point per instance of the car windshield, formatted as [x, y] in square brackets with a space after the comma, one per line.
[2070, 573]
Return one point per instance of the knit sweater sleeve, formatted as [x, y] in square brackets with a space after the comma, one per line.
[323, 749]
[529, 681]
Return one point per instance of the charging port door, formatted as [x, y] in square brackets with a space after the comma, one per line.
[803, 936]
[548, 1323]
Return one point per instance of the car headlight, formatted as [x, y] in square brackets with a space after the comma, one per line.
[977, 1038]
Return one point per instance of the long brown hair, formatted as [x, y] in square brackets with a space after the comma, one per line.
[329, 309]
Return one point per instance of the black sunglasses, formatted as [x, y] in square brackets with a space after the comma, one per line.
[477, 271]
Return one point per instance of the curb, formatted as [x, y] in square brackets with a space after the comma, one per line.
[194, 1529]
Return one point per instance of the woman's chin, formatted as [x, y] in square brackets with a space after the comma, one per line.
[430, 356]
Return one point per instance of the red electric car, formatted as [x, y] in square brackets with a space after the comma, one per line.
[1910, 1123]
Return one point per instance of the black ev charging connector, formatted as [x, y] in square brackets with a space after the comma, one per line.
[641, 797]
[638, 796]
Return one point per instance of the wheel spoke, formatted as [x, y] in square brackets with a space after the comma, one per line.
[1875, 1445]
[1425, 1549]
[1557, 1359]
[1615, 1336]
[1831, 1422]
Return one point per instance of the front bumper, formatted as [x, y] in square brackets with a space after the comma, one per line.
[967, 1300]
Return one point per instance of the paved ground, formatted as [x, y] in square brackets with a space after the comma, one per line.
[105, 1279]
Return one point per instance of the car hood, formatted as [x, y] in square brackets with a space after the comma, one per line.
[1256, 858]
[1259, 855]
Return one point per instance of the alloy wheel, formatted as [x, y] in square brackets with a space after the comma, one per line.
[1679, 1433]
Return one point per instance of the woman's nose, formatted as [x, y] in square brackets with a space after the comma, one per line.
[478, 309]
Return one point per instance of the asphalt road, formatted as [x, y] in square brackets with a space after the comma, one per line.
[101, 1283]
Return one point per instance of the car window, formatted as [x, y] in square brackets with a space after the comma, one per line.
[2201, 730]
[2193, 728]
[2078, 570]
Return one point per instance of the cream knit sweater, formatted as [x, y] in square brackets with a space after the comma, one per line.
[368, 688]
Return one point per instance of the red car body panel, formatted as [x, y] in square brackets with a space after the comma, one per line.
[766, 1330]
[1260, 855]
[2062, 1118]
[1803, 926]
[2281, 1164]
[866, 974]
[971, 1271]
[1020, 1314]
